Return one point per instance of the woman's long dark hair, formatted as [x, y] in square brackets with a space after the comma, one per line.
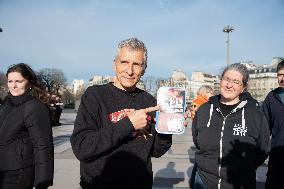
[34, 84]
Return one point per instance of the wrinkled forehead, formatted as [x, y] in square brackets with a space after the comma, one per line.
[280, 71]
[130, 53]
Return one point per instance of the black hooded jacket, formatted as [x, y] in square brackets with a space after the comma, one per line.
[26, 137]
[231, 147]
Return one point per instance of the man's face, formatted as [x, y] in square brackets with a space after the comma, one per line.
[280, 77]
[129, 67]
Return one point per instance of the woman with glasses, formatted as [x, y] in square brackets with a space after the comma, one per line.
[231, 135]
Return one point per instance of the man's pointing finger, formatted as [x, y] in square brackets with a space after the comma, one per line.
[151, 109]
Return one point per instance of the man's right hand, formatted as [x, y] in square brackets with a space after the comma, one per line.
[138, 118]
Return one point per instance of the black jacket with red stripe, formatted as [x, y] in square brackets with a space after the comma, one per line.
[111, 153]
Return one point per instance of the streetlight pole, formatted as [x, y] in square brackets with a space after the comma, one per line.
[227, 30]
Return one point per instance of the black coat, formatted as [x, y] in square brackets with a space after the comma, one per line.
[26, 137]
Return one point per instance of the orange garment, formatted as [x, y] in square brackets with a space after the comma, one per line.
[199, 100]
[196, 103]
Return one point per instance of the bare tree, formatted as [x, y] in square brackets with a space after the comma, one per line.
[67, 97]
[3, 85]
[52, 79]
[150, 84]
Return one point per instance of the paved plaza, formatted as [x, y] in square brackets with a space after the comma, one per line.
[171, 171]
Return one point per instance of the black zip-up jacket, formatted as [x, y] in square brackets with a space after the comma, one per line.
[26, 137]
[111, 153]
[230, 148]
[274, 112]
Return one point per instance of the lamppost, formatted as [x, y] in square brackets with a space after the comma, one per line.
[227, 30]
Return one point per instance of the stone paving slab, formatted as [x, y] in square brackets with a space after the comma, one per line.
[171, 171]
[66, 174]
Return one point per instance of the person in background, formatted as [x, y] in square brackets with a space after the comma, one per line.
[55, 107]
[203, 94]
[58, 110]
[273, 107]
[26, 146]
[231, 135]
[114, 135]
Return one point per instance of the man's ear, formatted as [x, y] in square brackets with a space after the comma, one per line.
[113, 65]
[143, 72]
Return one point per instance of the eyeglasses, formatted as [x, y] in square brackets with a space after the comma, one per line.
[233, 81]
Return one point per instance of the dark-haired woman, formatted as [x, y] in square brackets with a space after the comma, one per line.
[231, 135]
[26, 146]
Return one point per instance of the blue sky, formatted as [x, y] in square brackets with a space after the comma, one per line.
[80, 37]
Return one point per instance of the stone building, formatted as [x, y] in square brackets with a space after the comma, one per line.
[198, 78]
[78, 86]
[100, 80]
[206, 79]
[262, 78]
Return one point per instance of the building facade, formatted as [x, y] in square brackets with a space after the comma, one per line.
[100, 80]
[198, 78]
[263, 78]
[206, 79]
[78, 85]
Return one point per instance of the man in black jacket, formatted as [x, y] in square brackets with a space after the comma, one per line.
[273, 107]
[114, 136]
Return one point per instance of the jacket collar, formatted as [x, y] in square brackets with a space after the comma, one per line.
[19, 100]
[245, 96]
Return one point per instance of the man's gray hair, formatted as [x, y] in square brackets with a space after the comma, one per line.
[134, 44]
[242, 69]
